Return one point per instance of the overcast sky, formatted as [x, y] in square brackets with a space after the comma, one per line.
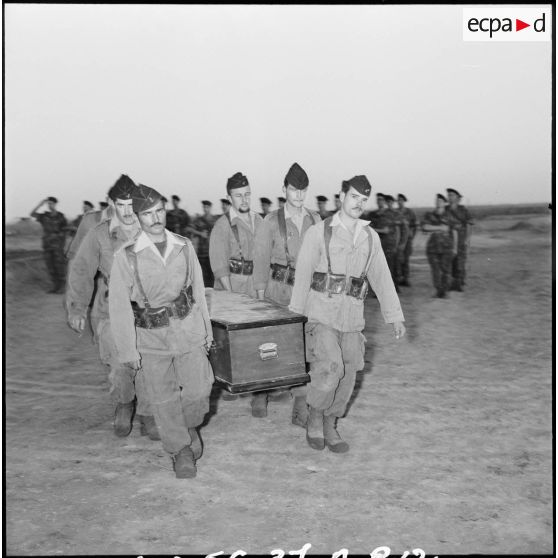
[182, 97]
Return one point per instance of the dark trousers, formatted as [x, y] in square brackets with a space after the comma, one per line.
[208, 278]
[56, 265]
[440, 266]
[458, 267]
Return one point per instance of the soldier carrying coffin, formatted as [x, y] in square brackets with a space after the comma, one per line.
[337, 259]
[277, 246]
[162, 328]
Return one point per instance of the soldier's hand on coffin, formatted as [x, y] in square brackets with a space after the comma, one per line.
[77, 323]
[134, 364]
[399, 329]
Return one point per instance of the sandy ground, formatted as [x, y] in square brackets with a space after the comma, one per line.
[450, 432]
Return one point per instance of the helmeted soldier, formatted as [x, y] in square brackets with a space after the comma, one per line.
[88, 273]
[54, 237]
[276, 251]
[337, 259]
[162, 328]
[439, 248]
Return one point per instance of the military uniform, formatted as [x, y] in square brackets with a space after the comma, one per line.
[54, 238]
[408, 231]
[96, 253]
[232, 255]
[171, 345]
[380, 219]
[88, 222]
[334, 341]
[178, 221]
[205, 224]
[459, 219]
[439, 251]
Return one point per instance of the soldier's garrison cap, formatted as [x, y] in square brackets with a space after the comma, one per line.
[52, 199]
[450, 190]
[123, 188]
[321, 198]
[237, 180]
[359, 183]
[441, 197]
[265, 200]
[402, 197]
[226, 201]
[297, 177]
[206, 202]
[144, 198]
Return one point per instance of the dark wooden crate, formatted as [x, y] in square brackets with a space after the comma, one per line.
[241, 327]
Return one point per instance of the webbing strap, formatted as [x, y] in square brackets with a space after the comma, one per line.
[236, 235]
[283, 232]
[133, 261]
[327, 238]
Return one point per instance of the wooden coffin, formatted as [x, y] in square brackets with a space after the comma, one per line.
[258, 344]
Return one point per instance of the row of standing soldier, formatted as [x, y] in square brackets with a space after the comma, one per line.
[171, 379]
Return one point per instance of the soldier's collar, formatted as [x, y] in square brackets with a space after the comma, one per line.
[143, 241]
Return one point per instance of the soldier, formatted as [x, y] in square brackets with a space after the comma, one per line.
[178, 220]
[266, 206]
[337, 203]
[281, 202]
[322, 211]
[439, 248]
[336, 259]
[103, 205]
[54, 237]
[201, 228]
[277, 246]
[231, 247]
[95, 254]
[225, 205]
[408, 232]
[461, 223]
[165, 332]
[384, 222]
[87, 207]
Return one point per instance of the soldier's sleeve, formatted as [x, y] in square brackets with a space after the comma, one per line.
[85, 225]
[198, 289]
[120, 310]
[262, 254]
[219, 249]
[81, 276]
[306, 262]
[381, 282]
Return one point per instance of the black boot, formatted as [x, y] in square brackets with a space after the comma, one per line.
[123, 416]
[300, 411]
[184, 464]
[315, 429]
[333, 441]
[259, 405]
[148, 427]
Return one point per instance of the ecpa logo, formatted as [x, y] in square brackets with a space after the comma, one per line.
[507, 24]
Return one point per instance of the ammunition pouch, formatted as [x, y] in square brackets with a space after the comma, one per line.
[153, 318]
[241, 266]
[283, 273]
[333, 283]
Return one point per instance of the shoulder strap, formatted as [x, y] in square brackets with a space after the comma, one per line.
[315, 217]
[235, 232]
[327, 240]
[133, 261]
[283, 232]
[369, 260]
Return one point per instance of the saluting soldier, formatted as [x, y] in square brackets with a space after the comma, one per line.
[439, 248]
[54, 238]
[384, 222]
[408, 232]
[89, 273]
[162, 328]
[337, 259]
[461, 223]
[201, 228]
[277, 246]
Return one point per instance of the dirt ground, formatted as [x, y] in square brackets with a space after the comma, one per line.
[450, 432]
